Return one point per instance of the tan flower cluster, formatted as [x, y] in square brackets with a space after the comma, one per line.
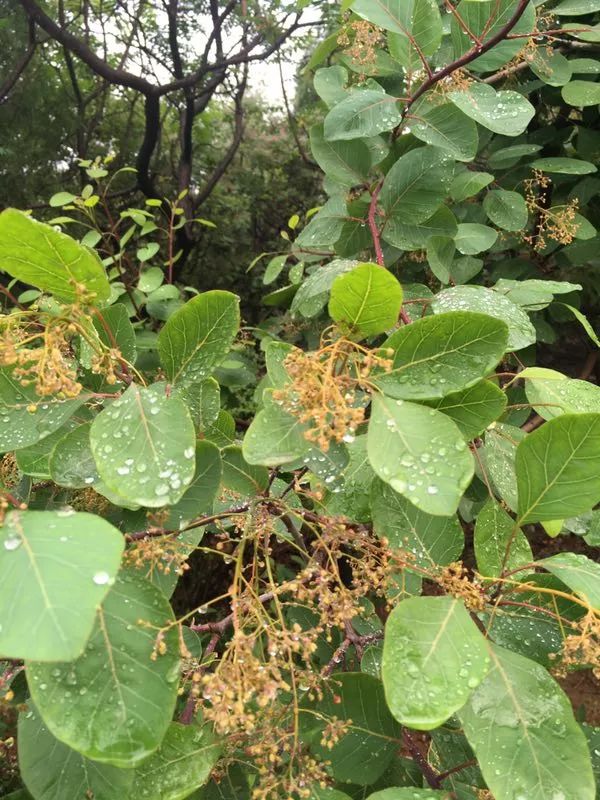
[9, 471]
[454, 580]
[582, 648]
[558, 223]
[327, 389]
[90, 500]
[360, 40]
[164, 554]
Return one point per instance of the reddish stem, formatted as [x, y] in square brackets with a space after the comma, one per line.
[372, 218]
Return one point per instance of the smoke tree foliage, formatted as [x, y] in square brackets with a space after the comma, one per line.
[374, 608]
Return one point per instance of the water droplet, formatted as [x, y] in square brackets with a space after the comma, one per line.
[101, 578]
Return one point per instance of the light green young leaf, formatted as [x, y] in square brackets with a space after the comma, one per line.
[580, 574]
[52, 771]
[521, 726]
[183, 762]
[557, 469]
[438, 355]
[121, 699]
[433, 657]
[416, 185]
[198, 336]
[409, 447]
[433, 541]
[43, 257]
[507, 113]
[144, 445]
[521, 332]
[366, 300]
[363, 113]
[67, 561]
[500, 545]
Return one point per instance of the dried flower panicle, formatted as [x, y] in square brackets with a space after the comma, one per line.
[581, 648]
[556, 223]
[327, 389]
[454, 580]
[360, 40]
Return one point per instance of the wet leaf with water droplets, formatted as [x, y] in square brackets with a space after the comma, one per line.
[114, 703]
[500, 545]
[139, 444]
[421, 454]
[52, 771]
[521, 726]
[183, 762]
[55, 555]
[433, 657]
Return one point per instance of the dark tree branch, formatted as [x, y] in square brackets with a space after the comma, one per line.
[20, 66]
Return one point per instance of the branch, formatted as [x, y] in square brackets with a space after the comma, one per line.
[20, 66]
[292, 123]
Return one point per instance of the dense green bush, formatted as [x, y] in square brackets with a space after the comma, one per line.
[349, 552]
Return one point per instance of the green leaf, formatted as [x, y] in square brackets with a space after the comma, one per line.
[473, 409]
[578, 572]
[585, 323]
[200, 495]
[366, 301]
[500, 545]
[71, 462]
[521, 332]
[521, 726]
[203, 400]
[67, 561]
[473, 238]
[534, 295]
[403, 16]
[363, 113]
[553, 394]
[35, 459]
[40, 255]
[313, 293]
[115, 330]
[557, 469]
[416, 236]
[564, 166]
[330, 84]
[551, 66]
[507, 113]
[485, 19]
[345, 162]
[325, 228]
[409, 794]
[507, 157]
[499, 456]
[240, 477]
[507, 210]
[581, 93]
[573, 8]
[438, 355]
[433, 658]
[144, 445]
[362, 754]
[416, 185]
[433, 541]
[468, 184]
[151, 279]
[121, 699]
[409, 447]
[183, 762]
[61, 199]
[198, 336]
[52, 771]
[445, 126]
[440, 256]
[25, 418]
[275, 436]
